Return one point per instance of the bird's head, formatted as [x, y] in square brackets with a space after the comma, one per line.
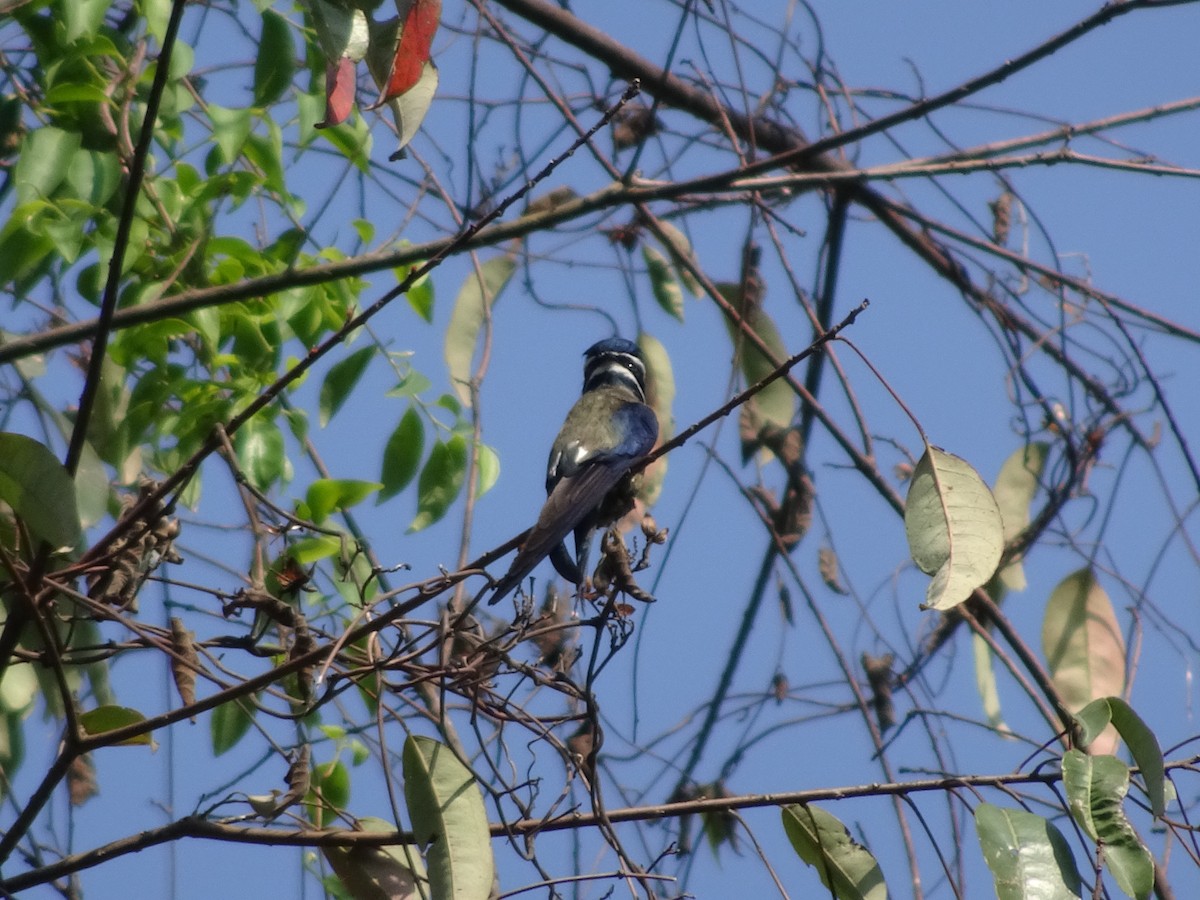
[615, 362]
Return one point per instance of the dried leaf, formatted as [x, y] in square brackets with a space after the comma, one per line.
[81, 780]
[827, 566]
[184, 661]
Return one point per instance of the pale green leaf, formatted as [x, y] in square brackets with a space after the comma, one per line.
[776, 403]
[663, 285]
[449, 821]
[1016, 486]
[677, 241]
[1096, 787]
[43, 163]
[660, 395]
[40, 491]
[377, 873]
[1083, 646]
[1095, 718]
[488, 470]
[231, 128]
[259, 445]
[474, 298]
[953, 527]
[985, 683]
[1029, 858]
[845, 867]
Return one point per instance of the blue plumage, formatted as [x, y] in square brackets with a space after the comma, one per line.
[607, 431]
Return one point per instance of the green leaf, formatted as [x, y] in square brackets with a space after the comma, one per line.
[665, 288]
[1084, 649]
[327, 494]
[84, 17]
[847, 869]
[660, 395]
[39, 490]
[420, 297]
[103, 719]
[229, 724]
[276, 59]
[776, 403]
[677, 241]
[307, 551]
[341, 29]
[487, 470]
[953, 526]
[1143, 745]
[448, 819]
[985, 683]
[259, 445]
[231, 128]
[1028, 856]
[91, 487]
[1016, 486]
[43, 162]
[440, 482]
[474, 298]
[402, 455]
[340, 381]
[1096, 788]
[377, 873]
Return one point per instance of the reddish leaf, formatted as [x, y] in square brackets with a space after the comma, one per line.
[412, 51]
[339, 91]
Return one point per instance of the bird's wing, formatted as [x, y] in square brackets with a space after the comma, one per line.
[571, 501]
[574, 497]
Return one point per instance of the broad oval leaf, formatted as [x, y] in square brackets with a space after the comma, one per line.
[1016, 486]
[846, 868]
[462, 333]
[327, 494]
[1096, 788]
[776, 403]
[1084, 649]
[954, 529]
[1143, 745]
[275, 61]
[441, 480]
[448, 820]
[660, 394]
[259, 445]
[40, 490]
[43, 162]
[377, 873]
[340, 381]
[109, 718]
[409, 108]
[487, 470]
[1029, 858]
[229, 724]
[402, 455]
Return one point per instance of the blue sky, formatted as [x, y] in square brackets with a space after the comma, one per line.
[1131, 235]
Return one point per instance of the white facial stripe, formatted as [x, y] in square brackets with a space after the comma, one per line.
[614, 370]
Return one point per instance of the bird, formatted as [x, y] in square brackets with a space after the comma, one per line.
[606, 433]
